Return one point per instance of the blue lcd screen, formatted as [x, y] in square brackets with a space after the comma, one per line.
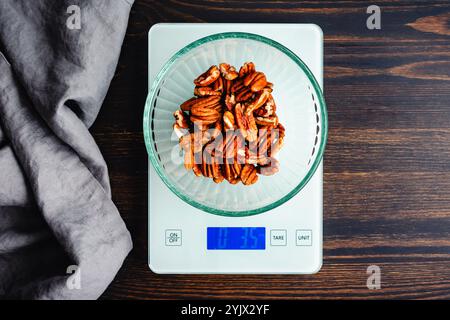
[236, 238]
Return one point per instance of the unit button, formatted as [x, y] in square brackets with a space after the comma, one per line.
[173, 237]
[278, 237]
[303, 238]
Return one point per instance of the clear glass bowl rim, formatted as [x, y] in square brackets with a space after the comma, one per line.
[149, 143]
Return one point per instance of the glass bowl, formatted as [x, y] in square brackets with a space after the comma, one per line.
[300, 108]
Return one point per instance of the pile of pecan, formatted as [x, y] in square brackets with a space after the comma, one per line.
[230, 129]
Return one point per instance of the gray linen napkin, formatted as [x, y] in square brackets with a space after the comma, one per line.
[61, 236]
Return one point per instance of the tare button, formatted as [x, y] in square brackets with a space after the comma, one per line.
[278, 237]
[303, 238]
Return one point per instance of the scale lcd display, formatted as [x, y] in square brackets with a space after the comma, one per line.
[236, 238]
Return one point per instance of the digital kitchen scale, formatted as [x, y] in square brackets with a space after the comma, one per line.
[284, 240]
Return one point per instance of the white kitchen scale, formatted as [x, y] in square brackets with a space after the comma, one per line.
[182, 237]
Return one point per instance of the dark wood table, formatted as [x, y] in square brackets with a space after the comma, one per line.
[387, 163]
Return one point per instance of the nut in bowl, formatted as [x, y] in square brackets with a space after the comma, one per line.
[207, 90]
[230, 129]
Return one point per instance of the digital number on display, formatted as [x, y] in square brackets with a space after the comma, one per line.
[236, 238]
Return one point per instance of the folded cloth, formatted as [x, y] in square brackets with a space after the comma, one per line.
[61, 236]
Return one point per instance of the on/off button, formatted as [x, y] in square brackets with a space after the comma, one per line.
[173, 237]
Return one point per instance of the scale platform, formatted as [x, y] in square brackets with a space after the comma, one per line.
[186, 240]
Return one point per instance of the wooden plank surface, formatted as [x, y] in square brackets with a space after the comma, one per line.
[387, 163]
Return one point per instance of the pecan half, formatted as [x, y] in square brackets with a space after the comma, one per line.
[217, 173]
[269, 169]
[186, 106]
[206, 170]
[205, 79]
[181, 119]
[259, 100]
[218, 85]
[206, 91]
[237, 168]
[256, 80]
[248, 174]
[261, 145]
[237, 86]
[269, 87]
[228, 72]
[210, 167]
[227, 84]
[244, 94]
[204, 114]
[271, 121]
[197, 170]
[256, 158]
[246, 123]
[227, 172]
[276, 139]
[267, 109]
[231, 172]
[218, 179]
[230, 101]
[208, 101]
[234, 180]
[228, 120]
[206, 119]
[248, 67]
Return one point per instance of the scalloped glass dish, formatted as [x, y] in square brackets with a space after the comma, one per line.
[300, 108]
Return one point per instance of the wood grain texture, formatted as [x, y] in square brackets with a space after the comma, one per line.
[387, 163]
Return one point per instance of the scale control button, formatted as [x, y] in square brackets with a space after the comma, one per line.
[173, 237]
[303, 238]
[278, 237]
